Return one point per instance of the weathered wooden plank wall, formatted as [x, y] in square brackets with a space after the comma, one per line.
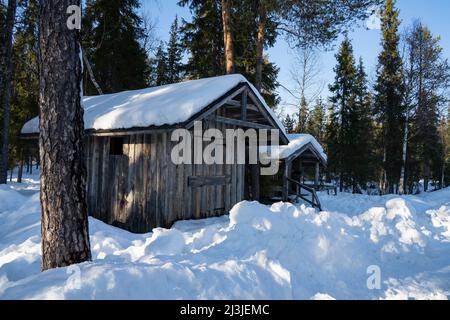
[142, 189]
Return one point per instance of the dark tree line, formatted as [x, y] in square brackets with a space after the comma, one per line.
[396, 134]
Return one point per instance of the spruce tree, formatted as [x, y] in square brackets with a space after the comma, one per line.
[174, 55]
[289, 124]
[112, 42]
[6, 39]
[316, 125]
[430, 73]
[160, 66]
[303, 115]
[362, 129]
[25, 98]
[203, 39]
[343, 121]
[389, 106]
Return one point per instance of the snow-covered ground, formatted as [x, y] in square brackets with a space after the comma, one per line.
[258, 252]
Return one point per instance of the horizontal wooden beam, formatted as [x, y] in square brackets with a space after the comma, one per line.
[241, 123]
[234, 103]
[250, 107]
[215, 106]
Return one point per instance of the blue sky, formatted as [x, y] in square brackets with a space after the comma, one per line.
[434, 13]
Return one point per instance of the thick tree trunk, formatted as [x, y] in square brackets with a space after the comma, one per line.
[65, 237]
[6, 87]
[260, 43]
[228, 37]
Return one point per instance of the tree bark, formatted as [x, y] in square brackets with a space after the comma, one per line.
[65, 237]
[228, 37]
[260, 43]
[6, 87]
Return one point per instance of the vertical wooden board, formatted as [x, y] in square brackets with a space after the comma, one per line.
[93, 190]
[242, 182]
[153, 182]
[227, 195]
[98, 170]
[88, 163]
[137, 211]
[158, 181]
[122, 186]
[105, 178]
[129, 190]
[205, 190]
[177, 184]
[145, 181]
[234, 178]
[171, 184]
[197, 194]
[221, 171]
[123, 168]
[188, 193]
[179, 200]
[164, 183]
[112, 194]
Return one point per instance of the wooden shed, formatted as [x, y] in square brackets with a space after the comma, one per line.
[132, 182]
[302, 163]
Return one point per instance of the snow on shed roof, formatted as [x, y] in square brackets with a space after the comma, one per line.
[165, 105]
[296, 142]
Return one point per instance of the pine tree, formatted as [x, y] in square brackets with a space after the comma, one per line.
[230, 62]
[25, 98]
[339, 128]
[203, 39]
[159, 74]
[289, 124]
[6, 40]
[389, 106]
[316, 125]
[362, 129]
[174, 55]
[430, 74]
[65, 236]
[303, 115]
[112, 42]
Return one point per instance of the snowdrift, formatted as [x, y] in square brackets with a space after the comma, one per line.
[257, 252]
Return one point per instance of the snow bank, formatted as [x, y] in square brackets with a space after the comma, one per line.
[258, 252]
[165, 105]
[9, 199]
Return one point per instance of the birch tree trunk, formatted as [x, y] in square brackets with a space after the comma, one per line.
[228, 37]
[65, 237]
[260, 43]
[91, 75]
[6, 86]
[402, 184]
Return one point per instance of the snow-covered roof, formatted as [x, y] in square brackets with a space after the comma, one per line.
[165, 105]
[296, 142]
